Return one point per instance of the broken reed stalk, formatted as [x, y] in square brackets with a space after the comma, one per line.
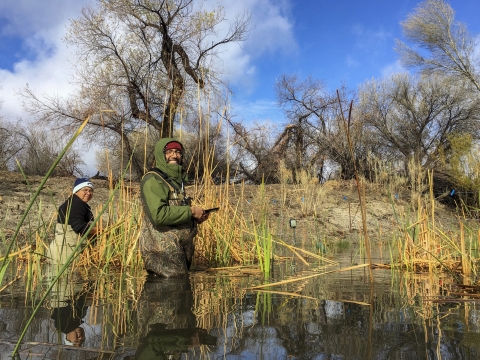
[295, 250]
[360, 186]
[465, 263]
[431, 234]
[307, 277]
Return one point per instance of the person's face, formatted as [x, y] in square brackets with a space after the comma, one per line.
[77, 336]
[173, 156]
[85, 194]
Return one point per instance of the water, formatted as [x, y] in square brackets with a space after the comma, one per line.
[216, 315]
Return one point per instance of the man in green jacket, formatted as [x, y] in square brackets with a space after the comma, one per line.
[166, 243]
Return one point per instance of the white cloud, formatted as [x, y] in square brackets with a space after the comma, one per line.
[42, 24]
[27, 17]
[47, 75]
[271, 31]
[393, 68]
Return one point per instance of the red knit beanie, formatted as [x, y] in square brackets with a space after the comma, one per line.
[173, 145]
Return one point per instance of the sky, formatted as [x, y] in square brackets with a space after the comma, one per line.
[338, 42]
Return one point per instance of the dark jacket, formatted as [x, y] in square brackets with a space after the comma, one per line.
[69, 317]
[78, 212]
[157, 196]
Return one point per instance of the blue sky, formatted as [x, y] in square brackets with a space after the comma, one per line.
[336, 41]
[347, 41]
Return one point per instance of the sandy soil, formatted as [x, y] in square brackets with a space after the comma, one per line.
[330, 211]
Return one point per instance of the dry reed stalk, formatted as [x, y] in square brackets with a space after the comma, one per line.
[465, 263]
[478, 239]
[360, 184]
[287, 294]
[11, 255]
[10, 283]
[308, 277]
[430, 235]
[308, 253]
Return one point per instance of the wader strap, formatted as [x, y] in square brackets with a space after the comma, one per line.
[170, 186]
[173, 190]
[168, 180]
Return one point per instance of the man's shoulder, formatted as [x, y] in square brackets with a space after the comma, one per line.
[151, 178]
[148, 176]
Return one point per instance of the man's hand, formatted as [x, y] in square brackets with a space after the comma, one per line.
[199, 214]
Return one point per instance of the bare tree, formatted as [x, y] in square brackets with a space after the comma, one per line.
[140, 63]
[314, 136]
[10, 145]
[317, 134]
[412, 117]
[253, 155]
[40, 148]
[450, 47]
[306, 104]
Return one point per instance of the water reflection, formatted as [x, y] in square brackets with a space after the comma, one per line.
[166, 323]
[69, 318]
[64, 328]
[67, 301]
[215, 316]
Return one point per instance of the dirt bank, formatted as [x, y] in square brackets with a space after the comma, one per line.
[330, 211]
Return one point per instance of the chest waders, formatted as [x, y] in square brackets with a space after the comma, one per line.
[167, 250]
[65, 240]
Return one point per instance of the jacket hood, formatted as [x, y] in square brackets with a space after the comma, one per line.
[174, 171]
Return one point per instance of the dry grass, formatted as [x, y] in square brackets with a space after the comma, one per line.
[116, 246]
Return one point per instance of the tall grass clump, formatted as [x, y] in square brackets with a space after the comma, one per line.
[221, 240]
[225, 239]
[386, 176]
[262, 235]
[426, 246]
[307, 190]
[116, 247]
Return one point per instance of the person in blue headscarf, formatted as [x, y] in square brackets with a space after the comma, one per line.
[74, 217]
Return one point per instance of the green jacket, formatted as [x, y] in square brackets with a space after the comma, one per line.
[161, 202]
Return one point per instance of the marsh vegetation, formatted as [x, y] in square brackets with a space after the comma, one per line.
[351, 231]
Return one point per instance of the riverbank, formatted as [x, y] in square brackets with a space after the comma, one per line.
[329, 212]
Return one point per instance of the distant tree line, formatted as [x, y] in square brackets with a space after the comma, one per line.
[147, 69]
[33, 151]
